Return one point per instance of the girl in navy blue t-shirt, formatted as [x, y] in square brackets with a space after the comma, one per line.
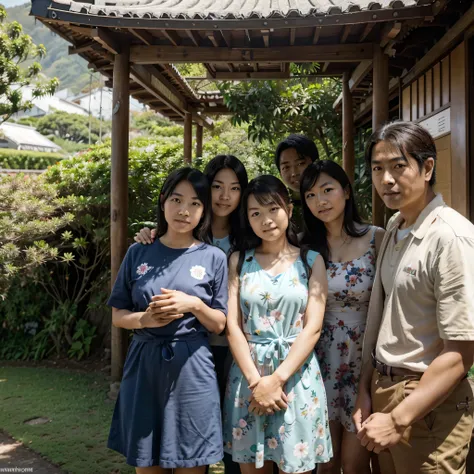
[172, 293]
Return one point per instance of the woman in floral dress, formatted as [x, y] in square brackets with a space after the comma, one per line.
[333, 228]
[275, 404]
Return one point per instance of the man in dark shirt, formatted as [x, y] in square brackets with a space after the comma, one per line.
[293, 155]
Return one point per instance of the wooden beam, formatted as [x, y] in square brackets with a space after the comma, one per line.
[379, 117]
[188, 139]
[248, 37]
[227, 35]
[105, 68]
[460, 63]
[172, 37]
[348, 150]
[158, 86]
[81, 30]
[366, 32]
[218, 110]
[183, 54]
[316, 34]
[366, 105]
[195, 37]
[345, 33]
[202, 120]
[325, 66]
[107, 40]
[292, 36]
[119, 193]
[263, 75]
[441, 47]
[212, 37]
[151, 101]
[266, 37]
[357, 77]
[141, 92]
[82, 47]
[142, 35]
[199, 136]
[390, 32]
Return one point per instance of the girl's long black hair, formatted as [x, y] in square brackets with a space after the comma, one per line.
[200, 184]
[217, 164]
[267, 190]
[315, 233]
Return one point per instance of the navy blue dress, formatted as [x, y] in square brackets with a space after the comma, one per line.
[168, 410]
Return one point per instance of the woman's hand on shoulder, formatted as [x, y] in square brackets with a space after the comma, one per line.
[145, 236]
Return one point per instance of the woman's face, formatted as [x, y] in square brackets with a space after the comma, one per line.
[326, 199]
[269, 222]
[183, 209]
[226, 192]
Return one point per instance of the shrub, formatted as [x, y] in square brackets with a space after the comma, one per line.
[27, 160]
[55, 235]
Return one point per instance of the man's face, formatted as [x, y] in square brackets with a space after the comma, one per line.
[291, 168]
[398, 179]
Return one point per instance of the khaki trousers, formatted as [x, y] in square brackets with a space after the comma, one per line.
[439, 443]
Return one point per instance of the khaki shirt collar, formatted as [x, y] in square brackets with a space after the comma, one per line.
[424, 220]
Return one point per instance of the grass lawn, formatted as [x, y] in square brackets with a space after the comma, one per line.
[80, 414]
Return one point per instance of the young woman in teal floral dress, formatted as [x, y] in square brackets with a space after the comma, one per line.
[333, 228]
[275, 404]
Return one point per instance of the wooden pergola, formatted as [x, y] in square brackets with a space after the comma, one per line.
[135, 44]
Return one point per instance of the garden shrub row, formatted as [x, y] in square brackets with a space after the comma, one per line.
[27, 160]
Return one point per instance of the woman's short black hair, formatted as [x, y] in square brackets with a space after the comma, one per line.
[217, 164]
[315, 233]
[305, 148]
[407, 137]
[200, 184]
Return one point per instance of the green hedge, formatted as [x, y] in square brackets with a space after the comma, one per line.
[27, 160]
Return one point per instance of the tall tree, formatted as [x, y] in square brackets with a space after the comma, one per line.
[274, 109]
[18, 68]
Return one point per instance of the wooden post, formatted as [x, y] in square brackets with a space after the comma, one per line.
[348, 153]
[119, 191]
[188, 138]
[199, 135]
[379, 117]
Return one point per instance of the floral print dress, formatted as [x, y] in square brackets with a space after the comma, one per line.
[272, 311]
[339, 348]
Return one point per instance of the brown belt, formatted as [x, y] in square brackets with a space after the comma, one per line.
[384, 369]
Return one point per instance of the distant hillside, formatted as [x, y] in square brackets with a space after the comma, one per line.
[71, 70]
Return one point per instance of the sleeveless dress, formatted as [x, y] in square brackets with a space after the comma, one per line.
[339, 349]
[297, 438]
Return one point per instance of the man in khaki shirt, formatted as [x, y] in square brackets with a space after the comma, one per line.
[415, 405]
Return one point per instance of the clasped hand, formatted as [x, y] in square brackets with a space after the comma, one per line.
[169, 306]
[267, 396]
[380, 432]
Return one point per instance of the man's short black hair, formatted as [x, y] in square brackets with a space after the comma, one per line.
[303, 146]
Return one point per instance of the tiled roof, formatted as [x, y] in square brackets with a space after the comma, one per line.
[27, 138]
[228, 9]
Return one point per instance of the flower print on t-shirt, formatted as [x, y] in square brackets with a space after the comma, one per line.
[197, 272]
[143, 269]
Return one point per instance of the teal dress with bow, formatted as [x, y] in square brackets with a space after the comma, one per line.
[297, 438]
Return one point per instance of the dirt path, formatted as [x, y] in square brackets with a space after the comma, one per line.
[17, 458]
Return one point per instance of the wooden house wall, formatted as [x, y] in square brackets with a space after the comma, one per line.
[439, 99]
